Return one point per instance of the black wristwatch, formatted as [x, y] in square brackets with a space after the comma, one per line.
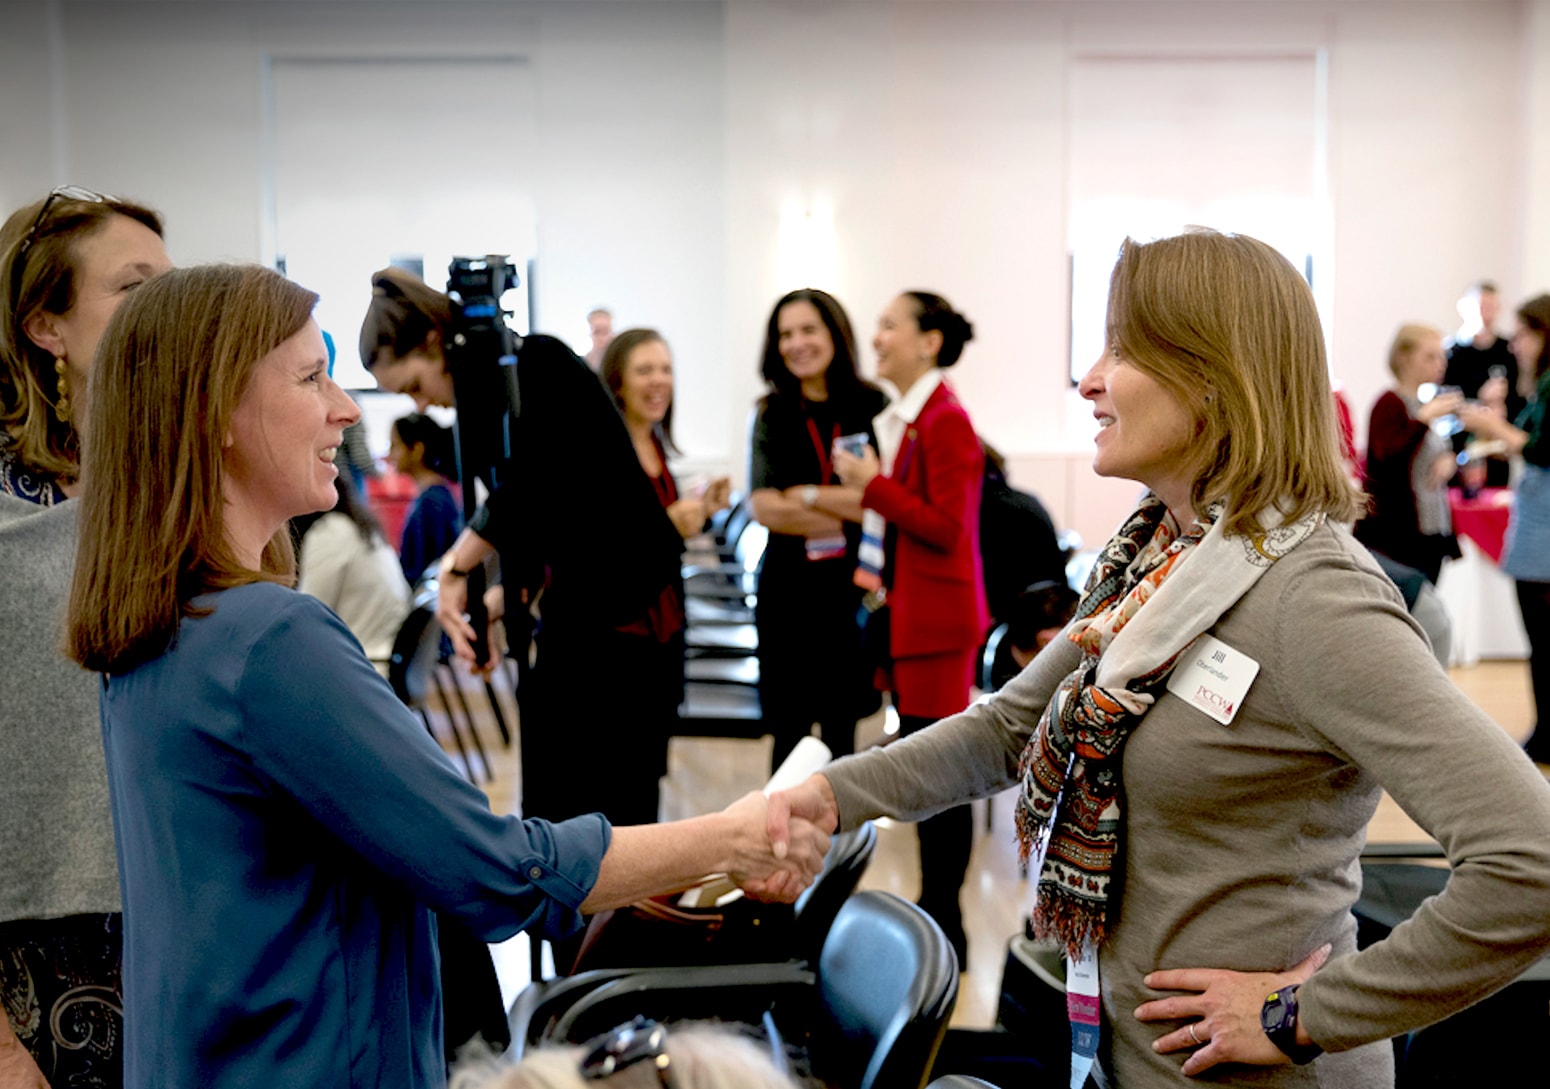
[1278, 1017]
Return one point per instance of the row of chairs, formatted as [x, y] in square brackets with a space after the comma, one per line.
[721, 643]
[864, 986]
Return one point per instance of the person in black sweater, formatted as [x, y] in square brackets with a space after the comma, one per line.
[811, 667]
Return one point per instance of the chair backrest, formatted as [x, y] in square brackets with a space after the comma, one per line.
[849, 854]
[888, 981]
[737, 519]
[990, 658]
[416, 649]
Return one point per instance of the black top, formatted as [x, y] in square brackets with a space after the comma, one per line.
[785, 453]
[1468, 369]
[575, 504]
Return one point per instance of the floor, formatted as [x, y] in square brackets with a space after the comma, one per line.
[707, 773]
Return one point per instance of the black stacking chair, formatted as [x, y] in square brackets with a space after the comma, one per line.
[796, 937]
[869, 1011]
[421, 665]
[721, 645]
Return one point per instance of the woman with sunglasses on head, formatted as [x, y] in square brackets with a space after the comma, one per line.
[66, 263]
[1200, 753]
[285, 825]
[811, 668]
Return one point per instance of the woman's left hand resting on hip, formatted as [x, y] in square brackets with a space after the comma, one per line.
[1223, 1009]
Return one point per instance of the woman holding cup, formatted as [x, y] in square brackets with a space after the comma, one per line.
[920, 555]
[1409, 463]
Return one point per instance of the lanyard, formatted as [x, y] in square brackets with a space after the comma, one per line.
[664, 485]
[825, 470]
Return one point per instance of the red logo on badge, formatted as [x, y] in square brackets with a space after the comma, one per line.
[1204, 695]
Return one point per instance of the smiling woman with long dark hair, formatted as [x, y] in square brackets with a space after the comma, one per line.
[811, 668]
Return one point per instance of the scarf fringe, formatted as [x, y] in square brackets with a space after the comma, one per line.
[1075, 924]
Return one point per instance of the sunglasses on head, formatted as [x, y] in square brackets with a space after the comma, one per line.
[637, 1041]
[64, 192]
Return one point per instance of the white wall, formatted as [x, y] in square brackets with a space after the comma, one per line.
[671, 134]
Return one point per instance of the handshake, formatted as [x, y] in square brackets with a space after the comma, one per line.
[786, 837]
[770, 847]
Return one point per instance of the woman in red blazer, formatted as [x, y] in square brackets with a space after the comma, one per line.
[926, 488]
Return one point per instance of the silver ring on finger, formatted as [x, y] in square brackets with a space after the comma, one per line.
[1198, 1041]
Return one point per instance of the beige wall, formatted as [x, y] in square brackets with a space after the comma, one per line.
[671, 134]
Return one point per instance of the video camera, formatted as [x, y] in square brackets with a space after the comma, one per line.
[481, 353]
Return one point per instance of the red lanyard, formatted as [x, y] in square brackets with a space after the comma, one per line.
[666, 488]
[825, 470]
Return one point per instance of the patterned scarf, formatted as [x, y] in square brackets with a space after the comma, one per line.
[1071, 767]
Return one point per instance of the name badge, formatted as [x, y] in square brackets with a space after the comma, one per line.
[826, 548]
[1214, 678]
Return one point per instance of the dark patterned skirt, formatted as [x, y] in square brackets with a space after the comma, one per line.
[61, 987]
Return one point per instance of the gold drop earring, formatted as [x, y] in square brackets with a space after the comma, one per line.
[62, 405]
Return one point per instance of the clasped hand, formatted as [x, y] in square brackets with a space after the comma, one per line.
[773, 869]
[790, 813]
[1222, 1008]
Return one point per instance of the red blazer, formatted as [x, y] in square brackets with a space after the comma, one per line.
[937, 596]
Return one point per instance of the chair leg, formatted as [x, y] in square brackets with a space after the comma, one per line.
[446, 702]
[457, 738]
[473, 730]
[500, 716]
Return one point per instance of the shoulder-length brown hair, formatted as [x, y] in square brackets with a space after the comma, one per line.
[42, 281]
[616, 358]
[1228, 326]
[172, 367]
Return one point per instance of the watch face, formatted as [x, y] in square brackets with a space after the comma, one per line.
[1278, 1011]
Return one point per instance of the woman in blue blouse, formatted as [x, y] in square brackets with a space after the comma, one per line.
[285, 826]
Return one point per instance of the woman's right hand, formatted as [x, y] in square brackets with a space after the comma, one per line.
[857, 472]
[452, 609]
[470, 550]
